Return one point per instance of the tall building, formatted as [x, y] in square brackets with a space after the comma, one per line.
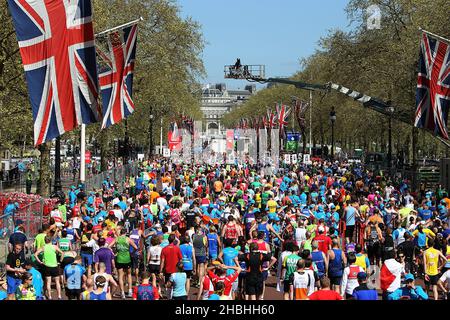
[217, 101]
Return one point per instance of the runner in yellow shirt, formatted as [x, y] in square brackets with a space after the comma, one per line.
[431, 258]
[272, 205]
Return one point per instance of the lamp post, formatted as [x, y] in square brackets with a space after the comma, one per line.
[151, 132]
[333, 120]
[57, 184]
[389, 155]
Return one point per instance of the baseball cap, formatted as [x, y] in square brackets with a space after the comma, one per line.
[362, 276]
[409, 277]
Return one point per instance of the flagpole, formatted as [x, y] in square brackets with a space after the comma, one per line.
[119, 27]
[83, 154]
[161, 137]
[434, 35]
[310, 123]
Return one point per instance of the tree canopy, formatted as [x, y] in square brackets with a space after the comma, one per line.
[380, 62]
[166, 79]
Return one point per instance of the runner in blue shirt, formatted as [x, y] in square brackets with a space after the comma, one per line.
[38, 282]
[229, 255]
[74, 277]
[213, 243]
[188, 259]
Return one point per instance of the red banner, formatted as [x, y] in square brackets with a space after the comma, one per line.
[230, 140]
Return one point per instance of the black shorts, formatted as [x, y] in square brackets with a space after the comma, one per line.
[433, 280]
[336, 280]
[153, 268]
[349, 231]
[200, 259]
[167, 277]
[134, 261]
[374, 250]
[254, 287]
[51, 272]
[188, 273]
[348, 296]
[125, 266]
[73, 293]
[286, 286]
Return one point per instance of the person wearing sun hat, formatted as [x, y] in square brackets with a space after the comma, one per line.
[409, 291]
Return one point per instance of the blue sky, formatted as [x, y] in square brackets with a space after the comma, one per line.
[274, 33]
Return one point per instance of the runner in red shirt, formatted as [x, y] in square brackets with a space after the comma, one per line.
[170, 256]
[221, 276]
[206, 286]
[323, 240]
[325, 293]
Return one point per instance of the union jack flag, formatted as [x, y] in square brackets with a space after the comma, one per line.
[174, 137]
[116, 80]
[433, 86]
[271, 119]
[299, 110]
[56, 41]
[188, 123]
[283, 113]
[265, 122]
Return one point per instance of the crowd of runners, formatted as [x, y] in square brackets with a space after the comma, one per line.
[325, 231]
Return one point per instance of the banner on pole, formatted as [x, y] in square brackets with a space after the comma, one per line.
[230, 140]
[307, 159]
[166, 152]
[87, 157]
[294, 158]
[287, 158]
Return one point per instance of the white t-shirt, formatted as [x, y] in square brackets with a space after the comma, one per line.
[105, 288]
[300, 235]
[446, 277]
[155, 255]
[76, 223]
[349, 284]
[119, 214]
[162, 203]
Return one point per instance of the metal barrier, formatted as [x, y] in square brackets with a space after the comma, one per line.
[33, 216]
[17, 185]
[117, 174]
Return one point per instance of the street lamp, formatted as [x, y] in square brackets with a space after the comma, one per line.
[389, 155]
[151, 132]
[333, 120]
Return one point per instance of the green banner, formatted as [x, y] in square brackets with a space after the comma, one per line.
[292, 145]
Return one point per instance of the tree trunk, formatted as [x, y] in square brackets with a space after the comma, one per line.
[415, 138]
[104, 150]
[43, 186]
